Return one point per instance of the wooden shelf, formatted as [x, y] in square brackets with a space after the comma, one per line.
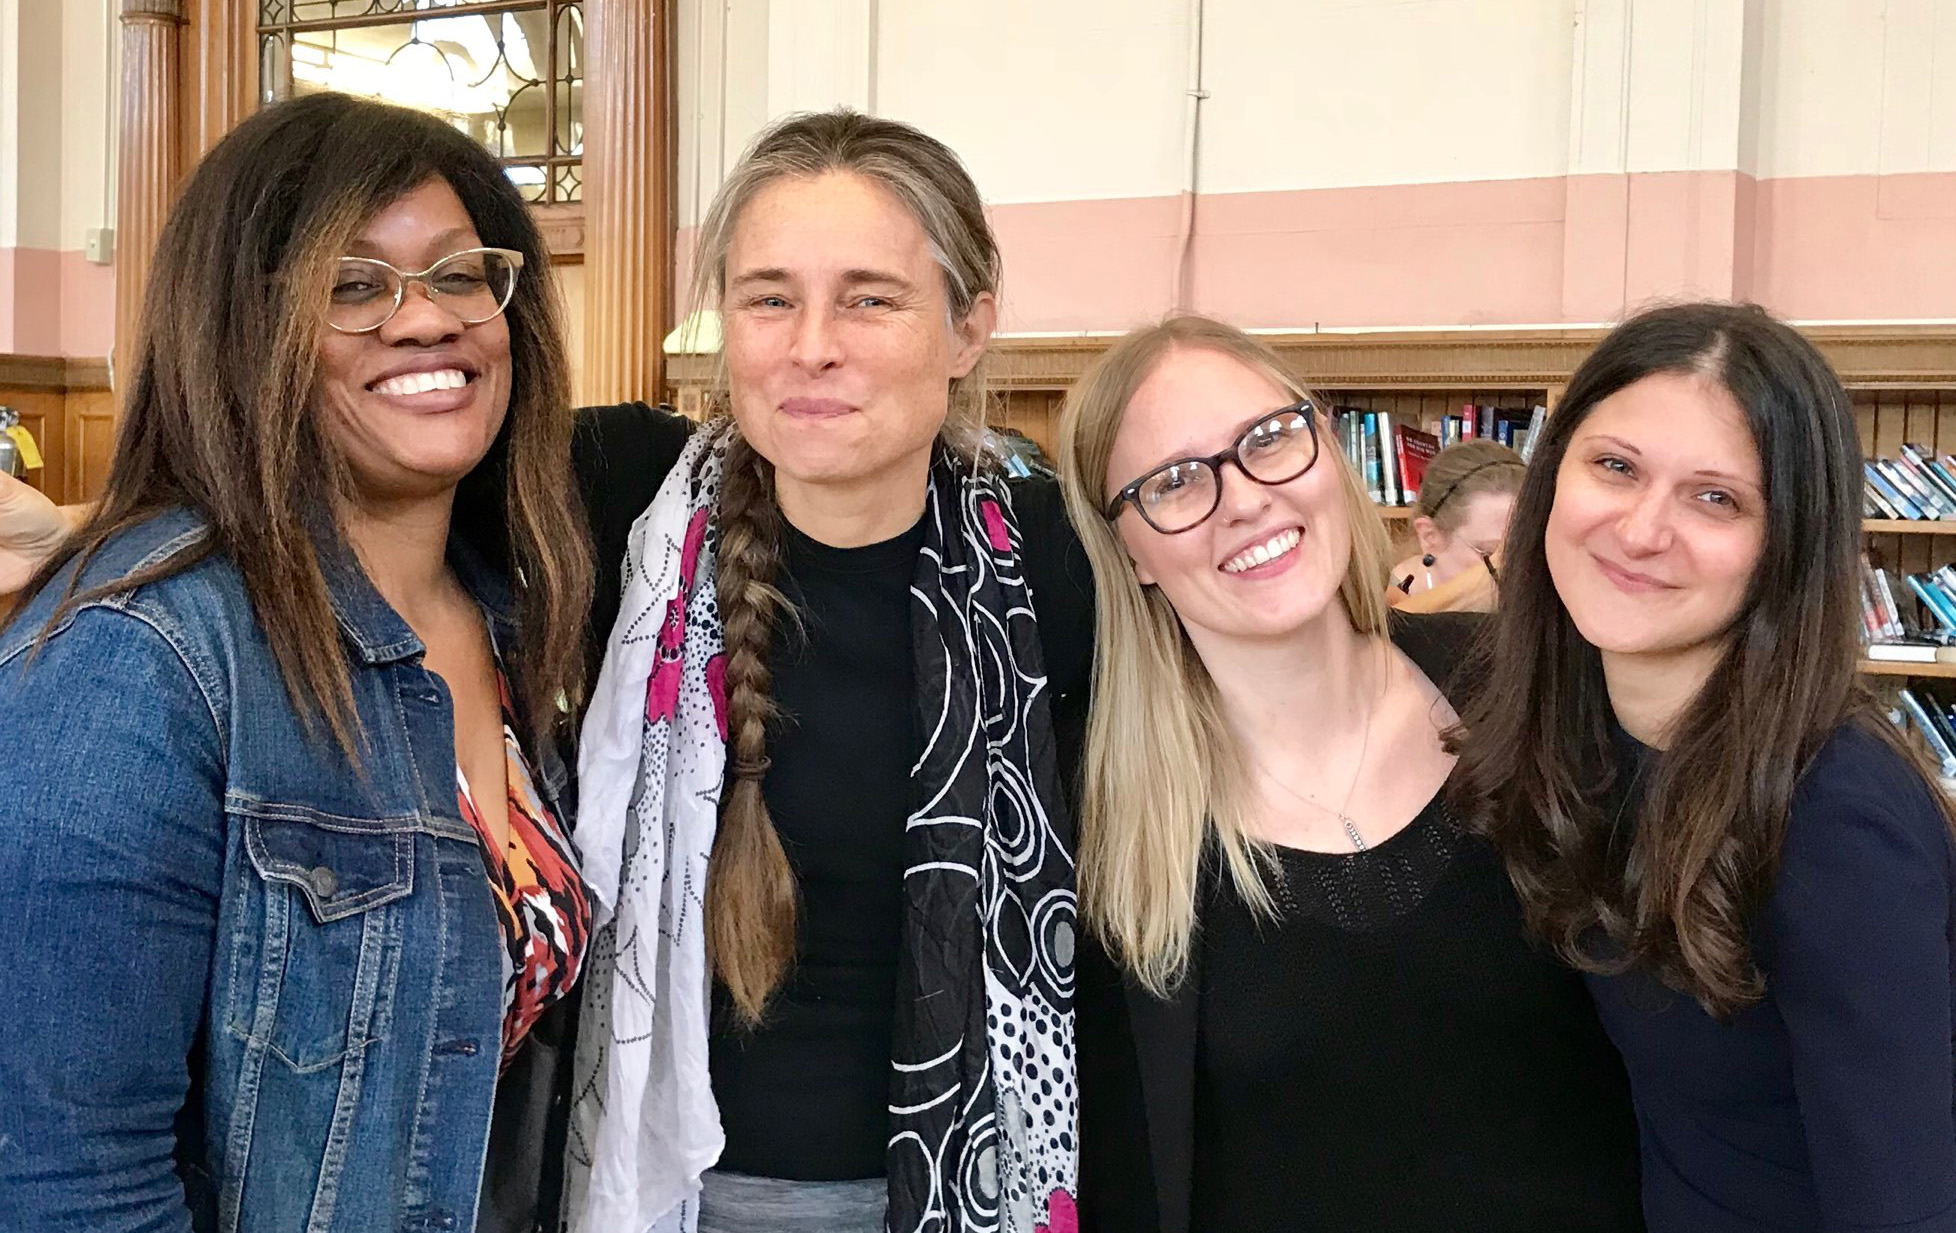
[1908, 526]
[1401, 512]
[1883, 667]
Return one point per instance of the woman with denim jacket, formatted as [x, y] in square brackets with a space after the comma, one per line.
[280, 852]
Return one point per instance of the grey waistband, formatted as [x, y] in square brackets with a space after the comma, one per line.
[739, 1203]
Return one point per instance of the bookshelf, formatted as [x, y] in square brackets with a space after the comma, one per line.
[1874, 667]
[1907, 526]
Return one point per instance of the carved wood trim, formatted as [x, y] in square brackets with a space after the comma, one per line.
[629, 192]
[53, 373]
[563, 231]
[1867, 357]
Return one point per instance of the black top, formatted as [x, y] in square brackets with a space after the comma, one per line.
[806, 1095]
[1829, 1104]
[1393, 1054]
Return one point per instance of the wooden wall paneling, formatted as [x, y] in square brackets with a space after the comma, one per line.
[148, 152]
[629, 167]
[90, 435]
[40, 414]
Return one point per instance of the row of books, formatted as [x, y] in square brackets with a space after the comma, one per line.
[1389, 456]
[1513, 427]
[1918, 485]
[1936, 724]
[1889, 624]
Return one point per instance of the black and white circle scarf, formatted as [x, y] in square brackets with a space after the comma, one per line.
[984, 1103]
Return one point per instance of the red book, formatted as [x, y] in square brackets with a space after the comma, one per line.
[1414, 450]
[1470, 421]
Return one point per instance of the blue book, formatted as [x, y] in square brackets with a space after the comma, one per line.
[1902, 506]
[1934, 600]
[1369, 443]
[1912, 486]
[1938, 748]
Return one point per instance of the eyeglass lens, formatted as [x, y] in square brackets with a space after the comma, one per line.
[1273, 451]
[474, 286]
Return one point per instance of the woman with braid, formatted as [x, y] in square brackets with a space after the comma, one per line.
[819, 759]
[831, 971]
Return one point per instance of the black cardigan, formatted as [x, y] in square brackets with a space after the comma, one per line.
[1138, 1052]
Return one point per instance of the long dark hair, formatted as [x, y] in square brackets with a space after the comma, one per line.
[1535, 753]
[220, 416]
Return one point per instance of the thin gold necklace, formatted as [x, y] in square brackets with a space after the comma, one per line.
[1342, 813]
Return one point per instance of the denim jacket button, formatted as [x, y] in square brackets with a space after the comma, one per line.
[325, 883]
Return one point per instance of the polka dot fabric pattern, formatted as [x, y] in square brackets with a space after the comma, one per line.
[984, 1105]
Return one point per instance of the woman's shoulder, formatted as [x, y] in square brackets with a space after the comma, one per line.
[621, 454]
[1440, 645]
[1862, 782]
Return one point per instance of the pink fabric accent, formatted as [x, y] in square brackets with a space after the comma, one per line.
[662, 690]
[995, 527]
[1062, 1214]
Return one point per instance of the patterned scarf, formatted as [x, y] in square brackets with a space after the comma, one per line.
[983, 1109]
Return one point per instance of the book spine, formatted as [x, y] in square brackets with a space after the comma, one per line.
[1886, 491]
[1408, 481]
[1536, 421]
[1932, 475]
[1939, 718]
[1389, 459]
[1368, 444]
[1937, 746]
[1912, 486]
[1935, 601]
[1941, 470]
[1891, 612]
[1469, 421]
[1873, 498]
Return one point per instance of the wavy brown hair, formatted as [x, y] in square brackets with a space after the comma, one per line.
[1536, 755]
[750, 890]
[221, 415]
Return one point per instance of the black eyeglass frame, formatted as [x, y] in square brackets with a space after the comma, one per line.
[1131, 495]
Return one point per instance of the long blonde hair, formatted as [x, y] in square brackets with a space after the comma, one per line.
[1163, 771]
[750, 891]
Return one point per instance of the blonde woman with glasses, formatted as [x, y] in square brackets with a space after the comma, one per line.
[1316, 1007]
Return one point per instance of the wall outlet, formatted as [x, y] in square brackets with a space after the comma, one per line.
[99, 247]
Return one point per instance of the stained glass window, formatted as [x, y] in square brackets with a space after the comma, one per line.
[510, 73]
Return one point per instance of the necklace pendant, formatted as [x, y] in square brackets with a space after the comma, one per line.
[1351, 833]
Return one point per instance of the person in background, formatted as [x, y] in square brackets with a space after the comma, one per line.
[1465, 499]
[1309, 1002]
[281, 831]
[1700, 805]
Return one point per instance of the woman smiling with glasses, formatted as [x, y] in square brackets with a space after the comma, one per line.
[1322, 1011]
[282, 838]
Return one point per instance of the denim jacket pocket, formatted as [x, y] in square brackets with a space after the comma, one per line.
[315, 964]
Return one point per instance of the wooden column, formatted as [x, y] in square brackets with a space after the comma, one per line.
[147, 157]
[220, 72]
[628, 198]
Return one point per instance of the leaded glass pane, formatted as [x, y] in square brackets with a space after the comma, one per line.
[511, 78]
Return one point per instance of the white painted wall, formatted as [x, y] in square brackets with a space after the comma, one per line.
[89, 82]
[1085, 99]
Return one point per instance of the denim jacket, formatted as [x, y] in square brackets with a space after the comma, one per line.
[252, 987]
